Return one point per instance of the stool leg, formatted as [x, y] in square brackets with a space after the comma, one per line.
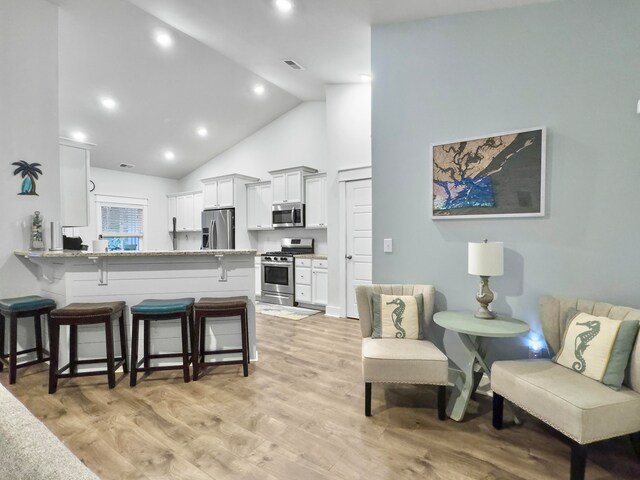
[135, 328]
[73, 349]
[248, 344]
[54, 344]
[111, 374]
[13, 348]
[203, 324]
[245, 347]
[146, 325]
[38, 329]
[185, 347]
[195, 346]
[123, 343]
[1, 342]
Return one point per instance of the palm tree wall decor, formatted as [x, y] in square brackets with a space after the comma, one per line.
[29, 172]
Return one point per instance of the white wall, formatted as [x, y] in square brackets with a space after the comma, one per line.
[349, 140]
[28, 129]
[126, 184]
[296, 138]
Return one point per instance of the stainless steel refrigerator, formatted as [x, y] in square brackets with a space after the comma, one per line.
[219, 229]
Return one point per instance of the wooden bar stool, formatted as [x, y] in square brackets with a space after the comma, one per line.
[154, 310]
[23, 307]
[216, 308]
[76, 314]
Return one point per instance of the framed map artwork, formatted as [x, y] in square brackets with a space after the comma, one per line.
[500, 175]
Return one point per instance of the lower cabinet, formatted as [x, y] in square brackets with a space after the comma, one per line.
[312, 281]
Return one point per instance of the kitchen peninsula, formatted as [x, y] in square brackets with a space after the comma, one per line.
[130, 276]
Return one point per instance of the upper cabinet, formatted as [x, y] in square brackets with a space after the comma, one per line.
[220, 192]
[288, 184]
[186, 207]
[316, 200]
[74, 183]
[259, 200]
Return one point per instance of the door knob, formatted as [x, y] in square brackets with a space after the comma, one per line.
[348, 257]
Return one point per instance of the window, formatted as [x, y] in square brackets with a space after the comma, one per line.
[121, 221]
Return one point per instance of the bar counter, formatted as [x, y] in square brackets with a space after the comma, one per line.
[70, 276]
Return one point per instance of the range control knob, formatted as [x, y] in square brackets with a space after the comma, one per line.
[284, 259]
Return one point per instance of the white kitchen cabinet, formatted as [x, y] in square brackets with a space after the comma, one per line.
[311, 280]
[197, 211]
[219, 193]
[288, 184]
[316, 201]
[259, 206]
[319, 282]
[187, 208]
[74, 183]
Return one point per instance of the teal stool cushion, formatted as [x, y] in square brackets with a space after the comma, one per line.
[162, 307]
[21, 304]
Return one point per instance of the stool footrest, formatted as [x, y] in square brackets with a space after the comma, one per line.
[222, 362]
[118, 362]
[24, 352]
[220, 352]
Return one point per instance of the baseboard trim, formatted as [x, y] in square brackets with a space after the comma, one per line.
[331, 311]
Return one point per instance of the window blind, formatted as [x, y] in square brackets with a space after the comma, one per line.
[118, 221]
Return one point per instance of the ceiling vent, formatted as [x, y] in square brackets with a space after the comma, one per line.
[293, 64]
[126, 165]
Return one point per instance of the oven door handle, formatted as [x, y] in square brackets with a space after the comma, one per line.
[276, 264]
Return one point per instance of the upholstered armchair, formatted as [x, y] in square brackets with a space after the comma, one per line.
[400, 360]
[581, 408]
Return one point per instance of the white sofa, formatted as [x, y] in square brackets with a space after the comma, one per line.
[28, 450]
[583, 409]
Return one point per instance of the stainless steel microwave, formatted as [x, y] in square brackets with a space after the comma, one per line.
[287, 215]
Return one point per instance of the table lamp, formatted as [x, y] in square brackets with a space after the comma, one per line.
[485, 260]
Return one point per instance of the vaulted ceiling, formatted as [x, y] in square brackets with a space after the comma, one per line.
[220, 50]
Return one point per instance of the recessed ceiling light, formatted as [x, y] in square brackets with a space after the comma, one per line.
[203, 132]
[169, 155]
[79, 136]
[365, 77]
[108, 103]
[285, 6]
[258, 89]
[164, 39]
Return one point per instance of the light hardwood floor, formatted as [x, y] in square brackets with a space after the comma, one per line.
[299, 415]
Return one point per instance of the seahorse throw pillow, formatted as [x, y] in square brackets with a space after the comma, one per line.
[397, 316]
[598, 347]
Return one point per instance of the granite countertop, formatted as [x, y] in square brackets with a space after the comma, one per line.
[150, 253]
[313, 256]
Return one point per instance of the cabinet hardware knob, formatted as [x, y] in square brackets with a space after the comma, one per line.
[348, 257]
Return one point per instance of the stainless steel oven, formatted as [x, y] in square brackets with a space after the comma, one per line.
[278, 269]
[278, 282]
[286, 215]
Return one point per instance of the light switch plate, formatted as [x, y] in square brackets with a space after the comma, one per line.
[388, 245]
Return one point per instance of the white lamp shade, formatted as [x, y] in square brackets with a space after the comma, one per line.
[486, 259]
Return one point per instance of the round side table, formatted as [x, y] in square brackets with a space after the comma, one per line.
[474, 333]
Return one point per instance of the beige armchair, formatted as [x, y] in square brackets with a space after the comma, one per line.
[583, 409]
[394, 360]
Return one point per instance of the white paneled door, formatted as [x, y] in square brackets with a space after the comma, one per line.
[359, 248]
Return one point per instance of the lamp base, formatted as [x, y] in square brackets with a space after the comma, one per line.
[484, 313]
[484, 298]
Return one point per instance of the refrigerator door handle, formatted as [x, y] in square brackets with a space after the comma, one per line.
[208, 245]
[214, 233]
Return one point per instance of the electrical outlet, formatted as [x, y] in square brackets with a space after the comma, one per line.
[388, 245]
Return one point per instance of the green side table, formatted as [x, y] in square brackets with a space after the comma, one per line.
[474, 333]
